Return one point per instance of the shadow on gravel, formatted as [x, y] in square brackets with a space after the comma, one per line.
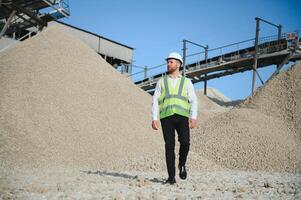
[226, 104]
[121, 175]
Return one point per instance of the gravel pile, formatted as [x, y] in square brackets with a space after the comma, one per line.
[207, 108]
[260, 134]
[213, 93]
[281, 98]
[204, 103]
[220, 99]
[63, 105]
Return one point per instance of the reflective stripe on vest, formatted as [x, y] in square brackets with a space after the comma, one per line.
[174, 100]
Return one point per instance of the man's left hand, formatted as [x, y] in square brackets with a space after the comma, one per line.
[192, 123]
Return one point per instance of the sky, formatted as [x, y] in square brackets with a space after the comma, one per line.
[156, 28]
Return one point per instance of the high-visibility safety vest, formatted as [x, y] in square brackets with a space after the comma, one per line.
[174, 100]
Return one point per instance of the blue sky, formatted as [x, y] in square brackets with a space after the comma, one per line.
[155, 28]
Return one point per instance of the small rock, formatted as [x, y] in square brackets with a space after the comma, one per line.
[130, 197]
[6, 196]
[239, 189]
[141, 181]
[221, 188]
[280, 190]
[267, 185]
[157, 196]
[58, 187]
[179, 198]
[117, 196]
[242, 189]
[194, 188]
[289, 191]
[298, 195]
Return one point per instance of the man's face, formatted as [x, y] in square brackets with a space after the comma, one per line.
[172, 65]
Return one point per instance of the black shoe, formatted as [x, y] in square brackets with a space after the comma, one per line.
[170, 181]
[182, 172]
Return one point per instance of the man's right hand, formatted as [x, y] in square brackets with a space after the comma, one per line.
[155, 124]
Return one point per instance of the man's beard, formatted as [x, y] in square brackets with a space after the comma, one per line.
[171, 70]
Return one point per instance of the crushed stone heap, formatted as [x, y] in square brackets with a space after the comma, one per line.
[62, 105]
[261, 134]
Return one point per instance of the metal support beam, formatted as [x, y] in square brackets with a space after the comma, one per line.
[52, 6]
[256, 47]
[285, 60]
[131, 67]
[279, 38]
[184, 52]
[145, 72]
[259, 77]
[27, 20]
[30, 14]
[122, 69]
[184, 57]
[279, 31]
[12, 14]
[204, 47]
[206, 59]
[255, 55]
[257, 18]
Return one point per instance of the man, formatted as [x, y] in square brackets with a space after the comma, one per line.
[175, 98]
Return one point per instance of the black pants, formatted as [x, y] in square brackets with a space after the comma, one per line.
[181, 125]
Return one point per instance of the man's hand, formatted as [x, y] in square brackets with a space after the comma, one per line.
[155, 124]
[192, 123]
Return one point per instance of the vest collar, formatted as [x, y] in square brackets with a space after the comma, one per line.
[179, 76]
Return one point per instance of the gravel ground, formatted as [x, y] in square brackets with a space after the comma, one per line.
[71, 127]
[71, 184]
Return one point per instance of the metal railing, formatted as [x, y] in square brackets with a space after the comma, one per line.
[27, 35]
[226, 53]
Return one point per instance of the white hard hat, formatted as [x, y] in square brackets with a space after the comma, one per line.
[176, 56]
